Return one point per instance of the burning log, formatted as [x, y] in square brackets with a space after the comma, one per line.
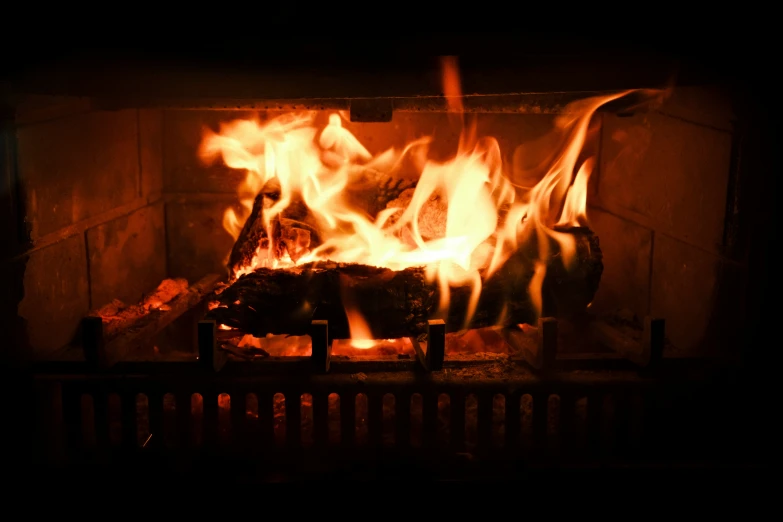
[431, 220]
[118, 316]
[399, 303]
[250, 237]
[116, 337]
[294, 232]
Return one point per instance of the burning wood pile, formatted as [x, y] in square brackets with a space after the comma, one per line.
[118, 330]
[118, 316]
[378, 244]
[397, 304]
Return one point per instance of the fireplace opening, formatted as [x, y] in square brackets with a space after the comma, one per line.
[502, 276]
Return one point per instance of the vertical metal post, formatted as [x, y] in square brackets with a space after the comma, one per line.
[436, 344]
[93, 343]
[547, 343]
[321, 354]
[208, 354]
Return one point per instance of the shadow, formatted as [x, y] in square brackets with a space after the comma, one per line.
[17, 385]
[15, 241]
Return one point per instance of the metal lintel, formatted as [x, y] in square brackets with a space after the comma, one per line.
[381, 109]
[371, 110]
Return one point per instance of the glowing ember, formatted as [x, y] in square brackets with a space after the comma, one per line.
[301, 346]
[276, 345]
[313, 157]
[374, 348]
[361, 337]
[118, 315]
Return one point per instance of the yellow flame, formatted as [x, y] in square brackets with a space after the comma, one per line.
[361, 336]
[576, 200]
[316, 161]
[452, 87]
[536, 283]
[232, 223]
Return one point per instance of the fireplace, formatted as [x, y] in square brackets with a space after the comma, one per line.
[456, 269]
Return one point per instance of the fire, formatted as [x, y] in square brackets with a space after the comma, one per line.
[361, 337]
[452, 89]
[313, 160]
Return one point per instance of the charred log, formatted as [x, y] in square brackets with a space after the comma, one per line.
[293, 232]
[250, 236]
[376, 190]
[399, 303]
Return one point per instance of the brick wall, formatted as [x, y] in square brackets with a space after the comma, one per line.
[659, 204]
[89, 183]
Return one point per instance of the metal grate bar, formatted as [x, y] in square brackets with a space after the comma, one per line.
[402, 416]
[155, 408]
[293, 419]
[485, 411]
[210, 418]
[183, 420]
[266, 420]
[375, 418]
[348, 419]
[513, 422]
[457, 421]
[239, 423]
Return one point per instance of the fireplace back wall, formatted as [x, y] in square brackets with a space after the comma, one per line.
[115, 201]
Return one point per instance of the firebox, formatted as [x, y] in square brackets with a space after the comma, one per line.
[455, 266]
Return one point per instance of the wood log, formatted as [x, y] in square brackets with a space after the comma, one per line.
[131, 340]
[250, 236]
[399, 303]
[118, 317]
[294, 232]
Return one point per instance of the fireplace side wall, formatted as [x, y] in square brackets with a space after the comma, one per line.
[659, 205]
[90, 224]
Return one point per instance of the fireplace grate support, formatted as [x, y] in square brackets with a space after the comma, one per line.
[528, 412]
[430, 356]
[469, 416]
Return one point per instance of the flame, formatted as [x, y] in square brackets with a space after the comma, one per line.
[307, 159]
[361, 336]
[452, 87]
[536, 283]
[576, 200]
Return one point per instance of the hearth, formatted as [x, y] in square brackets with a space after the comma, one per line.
[459, 269]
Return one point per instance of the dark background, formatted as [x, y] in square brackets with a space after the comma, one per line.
[693, 55]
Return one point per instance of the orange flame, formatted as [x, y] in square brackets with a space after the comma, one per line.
[361, 336]
[315, 162]
[452, 87]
